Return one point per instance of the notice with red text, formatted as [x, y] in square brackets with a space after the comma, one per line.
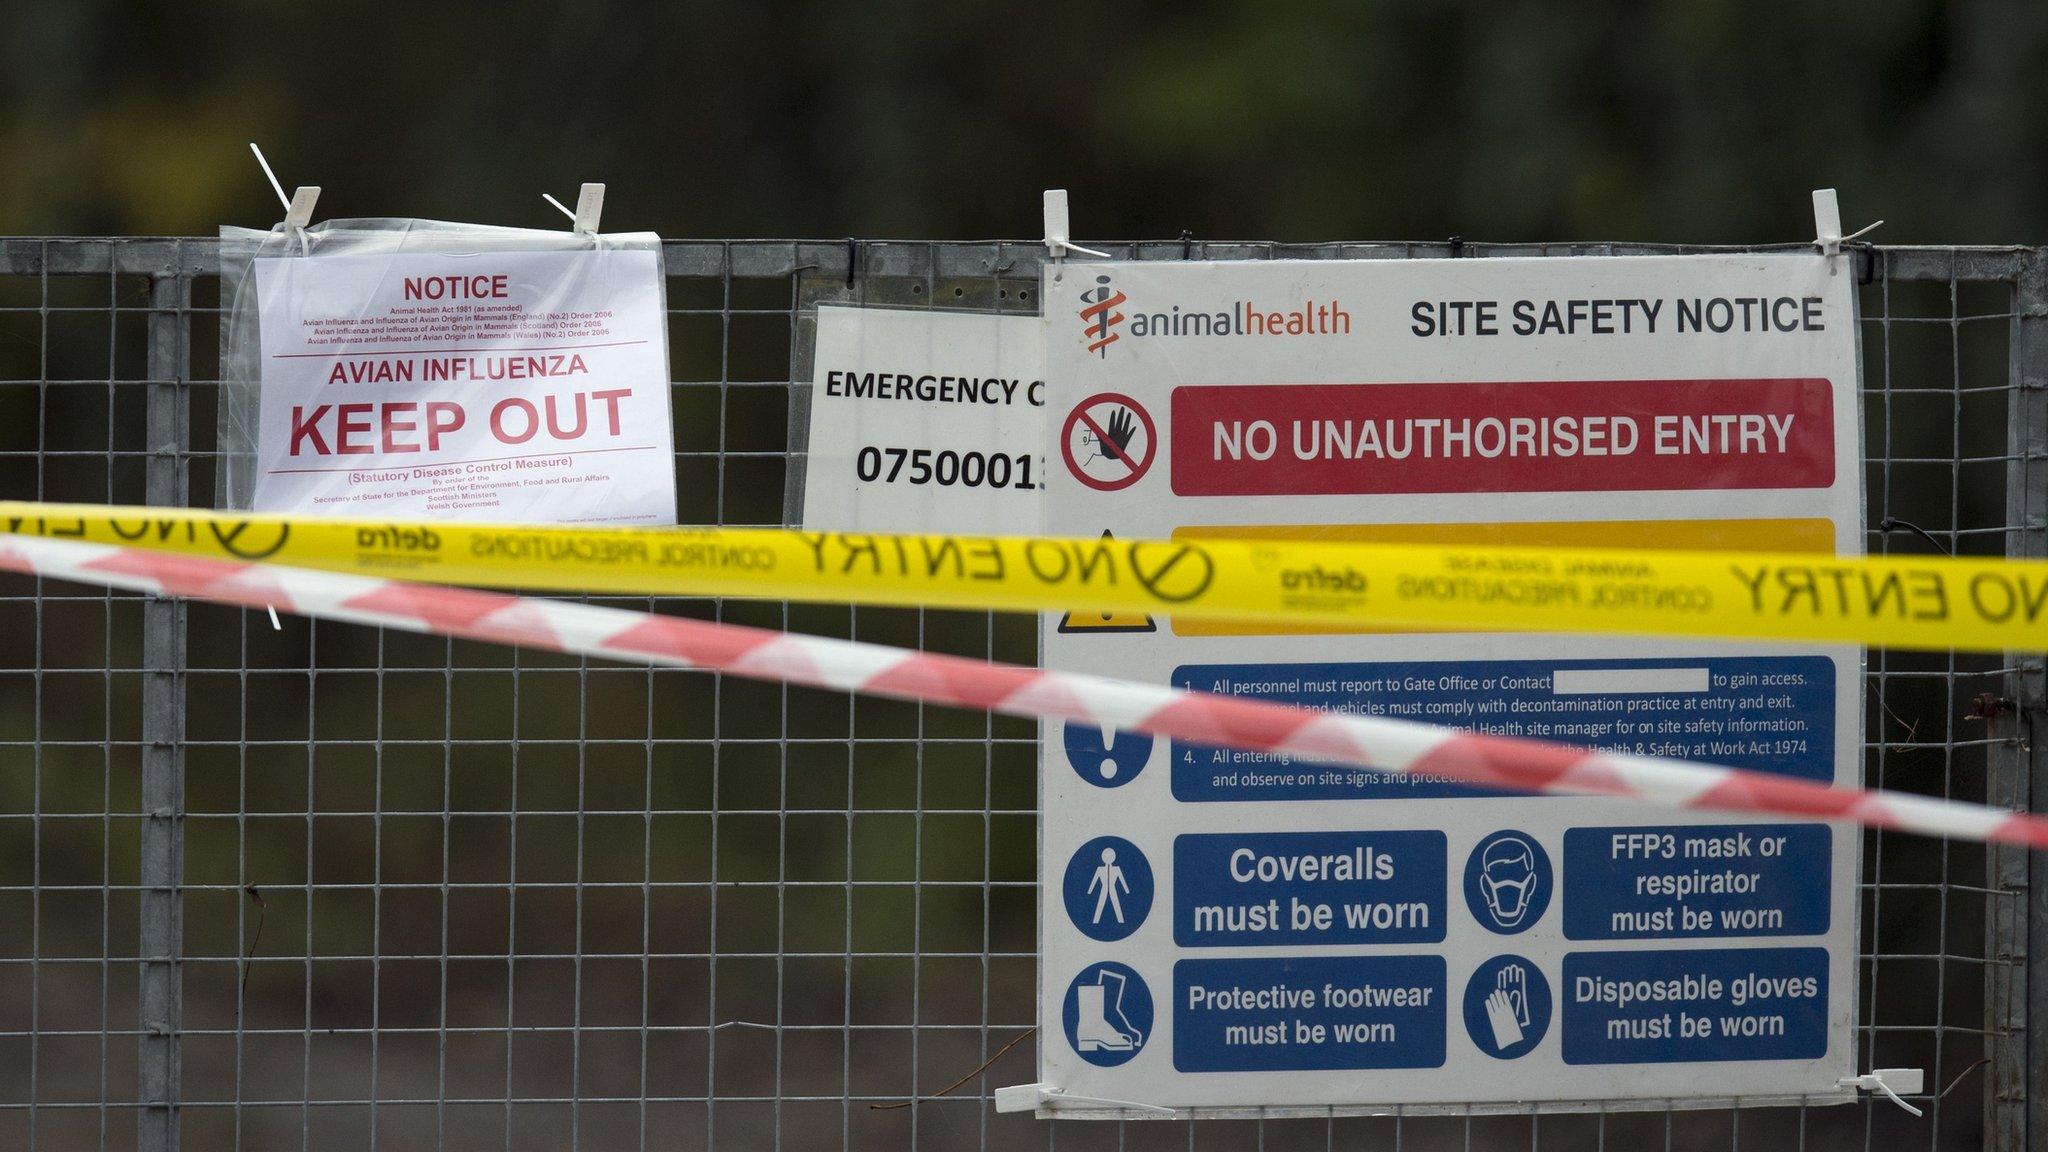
[526, 387]
[1237, 932]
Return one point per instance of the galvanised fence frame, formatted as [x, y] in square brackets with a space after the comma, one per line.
[515, 901]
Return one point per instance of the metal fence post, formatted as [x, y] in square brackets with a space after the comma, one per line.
[162, 865]
[2017, 991]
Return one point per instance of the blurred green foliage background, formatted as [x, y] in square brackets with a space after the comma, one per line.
[1678, 121]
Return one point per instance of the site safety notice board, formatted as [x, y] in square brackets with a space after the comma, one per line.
[1228, 929]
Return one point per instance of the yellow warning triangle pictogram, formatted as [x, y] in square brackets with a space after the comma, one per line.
[1107, 621]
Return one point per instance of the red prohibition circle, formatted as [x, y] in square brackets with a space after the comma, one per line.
[1080, 415]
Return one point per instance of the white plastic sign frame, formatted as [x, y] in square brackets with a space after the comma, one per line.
[1226, 933]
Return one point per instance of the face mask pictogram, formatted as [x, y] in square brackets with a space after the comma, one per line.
[1507, 882]
[1507, 873]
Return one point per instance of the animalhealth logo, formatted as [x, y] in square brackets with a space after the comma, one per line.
[1099, 317]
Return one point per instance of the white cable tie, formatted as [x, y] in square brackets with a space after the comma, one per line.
[275, 185]
[589, 209]
[1058, 227]
[1028, 1097]
[274, 625]
[1064, 246]
[1880, 1080]
[299, 213]
[298, 207]
[1020, 1097]
[583, 219]
[1047, 1095]
[1827, 223]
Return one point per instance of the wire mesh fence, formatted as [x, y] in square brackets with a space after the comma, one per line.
[325, 887]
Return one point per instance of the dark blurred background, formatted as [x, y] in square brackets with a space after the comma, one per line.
[508, 896]
[1683, 122]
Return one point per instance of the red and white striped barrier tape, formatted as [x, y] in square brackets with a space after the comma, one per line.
[1379, 743]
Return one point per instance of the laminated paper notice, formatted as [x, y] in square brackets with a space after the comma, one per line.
[504, 386]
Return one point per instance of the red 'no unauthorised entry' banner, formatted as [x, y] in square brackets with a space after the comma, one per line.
[1556, 436]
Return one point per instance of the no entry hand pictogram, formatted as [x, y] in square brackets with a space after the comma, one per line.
[1109, 441]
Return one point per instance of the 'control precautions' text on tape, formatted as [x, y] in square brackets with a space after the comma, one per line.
[1901, 602]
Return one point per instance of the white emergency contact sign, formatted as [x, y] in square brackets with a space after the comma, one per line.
[925, 421]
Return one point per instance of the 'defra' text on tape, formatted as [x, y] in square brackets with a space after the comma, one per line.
[1932, 603]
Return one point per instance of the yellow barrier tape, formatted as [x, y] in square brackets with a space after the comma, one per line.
[1898, 602]
[1808, 535]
